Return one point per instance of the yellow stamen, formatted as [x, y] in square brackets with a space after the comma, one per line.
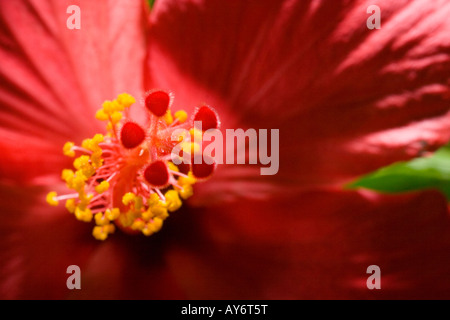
[147, 214]
[147, 231]
[98, 138]
[92, 144]
[51, 199]
[67, 175]
[126, 219]
[109, 128]
[80, 162]
[101, 115]
[85, 200]
[156, 224]
[67, 149]
[160, 211]
[172, 167]
[112, 214]
[152, 226]
[70, 205]
[126, 100]
[186, 192]
[116, 116]
[128, 197]
[116, 106]
[173, 201]
[78, 181]
[154, 200]
[196, 134]
[102, 232]
[190, 179]
[190, 147]
[96, 159]
[102, 187]
[83, 215]
[101, 219]
[181, 116]
[138, 224]
[108, 107]
[138, 202]
[168, 117]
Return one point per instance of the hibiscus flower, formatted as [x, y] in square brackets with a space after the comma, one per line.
[346, 99]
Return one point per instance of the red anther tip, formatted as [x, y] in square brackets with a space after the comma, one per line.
[157, 174]
[204, 170]
[184, 167]
[158, 102]
[208, 117]
[131, 135]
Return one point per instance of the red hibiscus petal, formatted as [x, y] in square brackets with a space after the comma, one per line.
[29, 159]
[37, 245]
[347, 100]
[128, 267]
[53, 79]
[317, 245]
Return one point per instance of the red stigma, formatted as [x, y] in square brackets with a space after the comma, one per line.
[157, 174]
[203, 170]
[184, 167]
[131, 135]
[208, 118]
[158, 102]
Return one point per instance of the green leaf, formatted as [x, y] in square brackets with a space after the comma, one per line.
[151, 3]
[422, 173]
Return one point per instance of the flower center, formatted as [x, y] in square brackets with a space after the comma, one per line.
[131, 135]
[207, 117]
[158, 102]
[126, 177]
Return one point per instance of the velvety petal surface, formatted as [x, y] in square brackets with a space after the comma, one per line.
[347, 100]
[37, 245]
[53, 79]
[317, 245]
